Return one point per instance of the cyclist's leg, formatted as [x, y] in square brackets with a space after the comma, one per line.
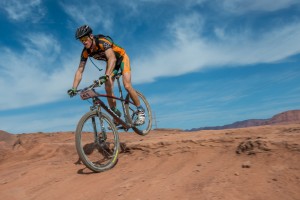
[109, 88]
[132, 92]
[125, 67]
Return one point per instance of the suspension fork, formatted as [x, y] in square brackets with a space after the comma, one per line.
[103, 131]
[96, 140]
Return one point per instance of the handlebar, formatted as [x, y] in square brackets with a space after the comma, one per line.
[94, 85]
[89, 91]
[97, 84]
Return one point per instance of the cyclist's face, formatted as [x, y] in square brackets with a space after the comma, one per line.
[86, 41]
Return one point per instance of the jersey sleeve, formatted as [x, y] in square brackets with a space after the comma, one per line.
[84, 55]
[104, 44]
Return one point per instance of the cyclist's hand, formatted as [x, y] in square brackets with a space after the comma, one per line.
[72, 92]
[102, 79]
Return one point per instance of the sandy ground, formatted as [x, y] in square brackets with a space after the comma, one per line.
[258, 163]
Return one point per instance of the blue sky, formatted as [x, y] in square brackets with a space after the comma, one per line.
[198, 62]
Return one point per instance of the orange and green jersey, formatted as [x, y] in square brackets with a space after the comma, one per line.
[102, 44]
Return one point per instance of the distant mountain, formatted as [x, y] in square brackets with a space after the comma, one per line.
[291, 116]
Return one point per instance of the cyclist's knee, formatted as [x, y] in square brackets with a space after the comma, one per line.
[128, 86]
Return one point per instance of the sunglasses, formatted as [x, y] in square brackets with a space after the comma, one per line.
[83, 39]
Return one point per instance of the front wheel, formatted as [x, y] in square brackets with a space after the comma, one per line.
[97, 141]
[131, 114]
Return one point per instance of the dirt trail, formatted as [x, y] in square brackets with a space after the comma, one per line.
[250, 163]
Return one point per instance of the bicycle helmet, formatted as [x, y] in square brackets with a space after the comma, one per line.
[83, 31]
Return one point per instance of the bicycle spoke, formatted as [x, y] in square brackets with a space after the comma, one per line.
[98, 146]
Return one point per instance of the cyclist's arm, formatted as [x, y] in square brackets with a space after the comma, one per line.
[111, 61]
[78, 74]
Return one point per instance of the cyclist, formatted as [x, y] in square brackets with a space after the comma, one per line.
[103, 48]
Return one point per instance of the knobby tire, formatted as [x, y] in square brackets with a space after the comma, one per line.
[102, 142]
[130, 109]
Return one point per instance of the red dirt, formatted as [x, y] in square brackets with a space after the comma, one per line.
[258, 163]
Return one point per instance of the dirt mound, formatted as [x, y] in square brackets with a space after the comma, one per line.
[7, 142]
[250, 163]
[6, 137]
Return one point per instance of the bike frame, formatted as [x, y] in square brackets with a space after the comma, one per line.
[98, 104]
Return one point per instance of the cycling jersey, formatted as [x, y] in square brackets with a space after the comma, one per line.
[102, 44]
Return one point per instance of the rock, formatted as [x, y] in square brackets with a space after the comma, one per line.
[246, 164]
[251, 147]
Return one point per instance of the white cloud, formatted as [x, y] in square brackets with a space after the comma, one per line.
[237, 6]
[29, 76]
[138, 7]
[41, 46]
[89, 12]
[41, 73]
[22, 10]
[191, 51]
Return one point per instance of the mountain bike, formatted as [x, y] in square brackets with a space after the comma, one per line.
[96, 136]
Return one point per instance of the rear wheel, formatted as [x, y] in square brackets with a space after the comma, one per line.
[131, 114]
[97, 141]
